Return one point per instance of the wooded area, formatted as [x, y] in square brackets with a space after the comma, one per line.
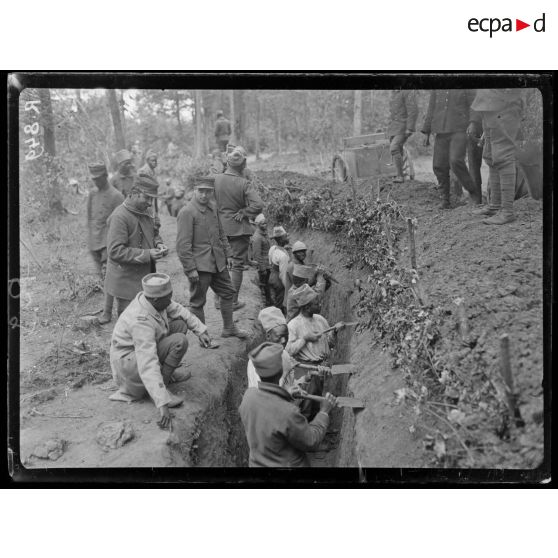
[77, 126]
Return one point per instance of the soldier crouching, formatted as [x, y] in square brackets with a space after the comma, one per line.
[148, 344]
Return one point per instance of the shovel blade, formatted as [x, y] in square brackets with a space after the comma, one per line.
[350, 402]
[342, 369]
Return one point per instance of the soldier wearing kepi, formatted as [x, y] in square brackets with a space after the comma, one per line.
[448, 116]
[148, 344]
[123, 178]
[133, 244]
[403, 111]
[238, 202]
[278, 434]
[205, 254]
[100, 204]
[500, 111]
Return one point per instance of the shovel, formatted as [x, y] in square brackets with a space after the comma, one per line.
[349, 402]
[345, 324]
[334, 370]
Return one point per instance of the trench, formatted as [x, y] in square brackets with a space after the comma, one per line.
[372, 437]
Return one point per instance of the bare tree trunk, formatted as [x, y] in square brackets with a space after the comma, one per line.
[357, 113]
[122, 105]
[53, 169]
[116, 121]
[232, 116]
[372, 128]
[177, 115]
[198, 143]
[277, 115]
[258, 115]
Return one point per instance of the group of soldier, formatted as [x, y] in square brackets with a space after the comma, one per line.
[477, 124]
[217, 230]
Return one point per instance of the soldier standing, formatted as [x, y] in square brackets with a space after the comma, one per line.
[205, 254]
[260, 253]
[133, 243]
[238, 202]
[279, 259]
[403, 112]
[123, 178]
[222, 131]
[100, 204]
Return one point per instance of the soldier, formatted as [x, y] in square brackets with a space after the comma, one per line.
[123, 178]
[307, 344]
[100, 204]
[448, 116]
[222, 131]
[205, 254]
[279, 259]
[278, 434]
[133, 243]
[403, 112]
[260, 253]
[500, 111]
[276, 331]
[169, 196]
[237, 203]
[148, 344]
[299, 253]
[303, 274]
[151, 158]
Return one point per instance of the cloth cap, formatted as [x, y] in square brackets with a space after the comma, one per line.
[147, 184]
[304, 294]
[97, 169]
[151, 153]
[271, 317]
[235, 158]
[278, 231]
[298, 245]
[205, 182]
[303, 271]
[259, 218]
[122, 155]
[156, 285]
[267, 359]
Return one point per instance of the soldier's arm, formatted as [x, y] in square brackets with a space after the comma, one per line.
[427, 125]
[117, 244]
[223, 237]
[412, 109]
[283, 267]
[295, 343]
[149, 369]
[184, 240]
[253, 202]
[306, 436]
[177, 311]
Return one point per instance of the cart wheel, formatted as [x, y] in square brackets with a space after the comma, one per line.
[339, 169]
[408, 165]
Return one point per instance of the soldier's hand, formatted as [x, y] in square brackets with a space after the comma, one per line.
[426, 140]
[409, 133]
[238, 216]
[312, 337]
[329, 404]
[166, 418]
[193, 276]
[297, 391]
[164, 249]
[338, 326]
[155, 253]
[230, 263]
[472, 130]
[323, 370]
[205, 339]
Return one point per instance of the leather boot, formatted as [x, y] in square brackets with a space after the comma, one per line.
[485, 211]
[495, 202]
[236, 280]
[445, 188]
[507, 189]
[199, 313]
[229, 329]
[217, 303]
[398, 163]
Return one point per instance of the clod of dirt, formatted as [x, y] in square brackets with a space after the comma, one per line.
[50, 449]
[113, 435]
[87, 322]
[39, 397]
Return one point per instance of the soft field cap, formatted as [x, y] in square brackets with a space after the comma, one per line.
[304, 294]
[156, 285]
[267, 359]
[271, 317]
[303, 271]
[278, 231]
[122, 155]
[259, 218]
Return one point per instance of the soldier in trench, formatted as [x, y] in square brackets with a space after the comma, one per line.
[279, 260]
[308, 344]
[303, 274]
[277, 432]
[148, 344]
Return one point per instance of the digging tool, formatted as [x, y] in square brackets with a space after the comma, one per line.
[334, 370]
[349, 402]
[345, 324]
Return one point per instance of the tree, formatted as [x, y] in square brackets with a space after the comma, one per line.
[258, 115]
[51, 163]
[198, 116]
[116, 121]
[357, 113]
[232, 116]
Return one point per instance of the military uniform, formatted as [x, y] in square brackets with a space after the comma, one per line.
[403, 111]
[260, 253]
[143, 339]
[123, 182]
[131, 234]
[222, 133]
